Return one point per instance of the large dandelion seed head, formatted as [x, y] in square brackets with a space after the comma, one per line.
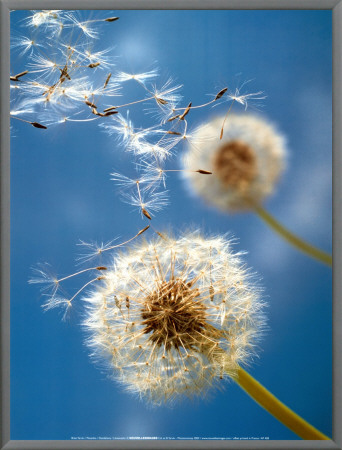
[174, 317]
[246, 163]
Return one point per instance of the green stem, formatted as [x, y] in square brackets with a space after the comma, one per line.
[281, 412]
[310, 250]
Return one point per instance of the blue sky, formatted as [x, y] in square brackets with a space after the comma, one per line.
[61, 193]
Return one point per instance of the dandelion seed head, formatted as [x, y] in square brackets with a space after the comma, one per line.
[174, 316]
[245, 164]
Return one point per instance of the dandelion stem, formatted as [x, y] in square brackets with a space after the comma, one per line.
[312, 251]
[275, 407]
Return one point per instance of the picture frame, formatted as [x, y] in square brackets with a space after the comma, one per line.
[5, 6]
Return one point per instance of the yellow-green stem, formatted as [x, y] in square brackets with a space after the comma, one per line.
[310, 250]
[274, 406]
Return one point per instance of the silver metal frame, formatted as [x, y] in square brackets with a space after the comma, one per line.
[5, 7]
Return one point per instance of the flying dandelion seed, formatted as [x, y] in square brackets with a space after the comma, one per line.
[246, 164]
[174, 316]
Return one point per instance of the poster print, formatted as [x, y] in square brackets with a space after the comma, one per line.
[171, 225]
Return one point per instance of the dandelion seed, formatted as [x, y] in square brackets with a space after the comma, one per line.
[161, 101]
[64, 73]
[45, 277]
[93, 65]
[24, 44]
[168, 93]
[38, 125]
[19, 75]
[95, 111]
[85, 26]
[34, 124]
[220, 94]
[187, 109]
[245, 98]
[176, 133]
[95, 250]
[40, 64]
[245, 164]
[47, 18]
[127, 183]
[109, 113]
[147, 201]
[58, 302]
[183, 329]
[204, 172]
[153, 173]
[143, 230]
[92, 105]
[111, 19]
[107, 80]
[109, 109]
[146, 213]
[171, 119]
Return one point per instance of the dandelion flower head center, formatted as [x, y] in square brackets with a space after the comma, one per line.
[172, 315]
[235, 164]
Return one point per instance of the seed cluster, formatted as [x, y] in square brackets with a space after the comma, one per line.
[235, 164]
[172, 315]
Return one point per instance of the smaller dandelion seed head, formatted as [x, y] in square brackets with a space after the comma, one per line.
[245, 164]
[174, 316]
